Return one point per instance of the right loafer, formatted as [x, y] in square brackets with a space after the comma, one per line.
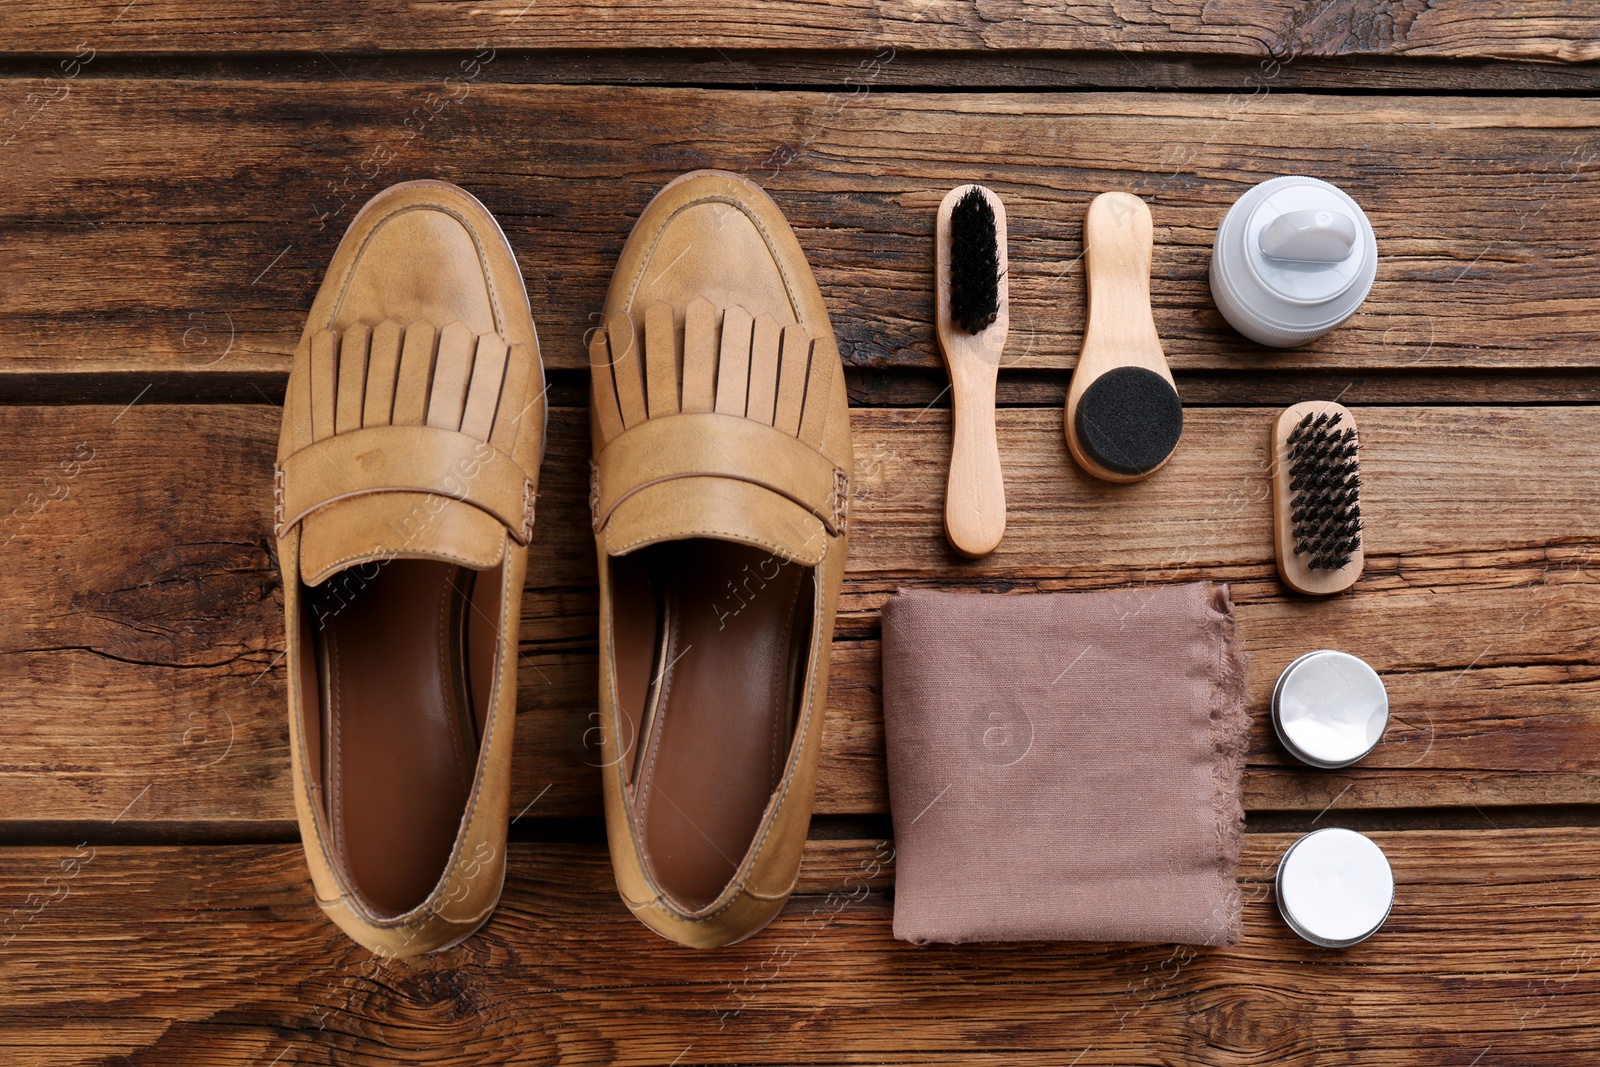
[405, 483]
[720, 502]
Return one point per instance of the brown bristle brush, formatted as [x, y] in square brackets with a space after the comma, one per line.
[1316, 497]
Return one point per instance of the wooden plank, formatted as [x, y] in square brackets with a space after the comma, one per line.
[138, 539]
[1477, 29]
[140, 629]
[177, 229]
[217, 956]
[869, 66]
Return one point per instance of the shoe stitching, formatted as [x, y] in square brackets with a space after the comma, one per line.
[427, 492]
[841, 502]
[658, 727]
[321, 799]
[594, 494]
[735, 535]
[718, 198]
[335, 767]
[477, 245]
[446, 676]
[278, 491]
[390, 554]
[833, 496]
[781, 684]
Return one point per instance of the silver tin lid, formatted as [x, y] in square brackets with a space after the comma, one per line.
[1329, 708]
[1335, 887]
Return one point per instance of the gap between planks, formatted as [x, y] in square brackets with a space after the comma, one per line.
[852, 71]
[888, 387]
[590, 830]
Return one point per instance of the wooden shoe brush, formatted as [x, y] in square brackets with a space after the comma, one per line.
[1123, 416]
[1316, 497]
[971, 306]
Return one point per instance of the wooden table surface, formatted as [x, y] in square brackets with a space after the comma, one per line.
[177, 174]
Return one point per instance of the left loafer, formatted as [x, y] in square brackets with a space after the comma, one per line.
[406, 475]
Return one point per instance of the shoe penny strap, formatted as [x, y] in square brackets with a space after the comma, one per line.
[715, 446]
[404, 459]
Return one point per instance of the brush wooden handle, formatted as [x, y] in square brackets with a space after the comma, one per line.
[1118, 237]
[975, 498]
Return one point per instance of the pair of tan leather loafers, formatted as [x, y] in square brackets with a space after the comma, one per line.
[405, 486]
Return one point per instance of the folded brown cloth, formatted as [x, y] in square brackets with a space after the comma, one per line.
[1065, 766]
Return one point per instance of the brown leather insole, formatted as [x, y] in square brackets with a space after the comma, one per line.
[711, 648]
[399, 722]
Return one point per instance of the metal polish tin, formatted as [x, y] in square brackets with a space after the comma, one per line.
[1335, 887]
[1329, 709]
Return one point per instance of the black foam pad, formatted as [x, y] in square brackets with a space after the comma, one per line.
[1129, 420]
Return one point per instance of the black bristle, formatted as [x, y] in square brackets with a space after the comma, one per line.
[974, 263]
[1325, 490]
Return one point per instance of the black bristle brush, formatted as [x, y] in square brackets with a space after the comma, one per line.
[972, 315]
[1316, 497]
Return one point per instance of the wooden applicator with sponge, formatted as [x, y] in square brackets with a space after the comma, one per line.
[1123, 416]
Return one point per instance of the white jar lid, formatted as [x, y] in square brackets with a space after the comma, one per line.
[1293, 258]
[1329, 708]
[1335, 887]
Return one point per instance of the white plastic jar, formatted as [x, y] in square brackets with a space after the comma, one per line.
[1293, 258]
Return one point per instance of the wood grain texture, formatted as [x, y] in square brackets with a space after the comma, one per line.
[1480, 603]
[210, 957]
[178, 229]
[1477, 29]
[178, 175]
